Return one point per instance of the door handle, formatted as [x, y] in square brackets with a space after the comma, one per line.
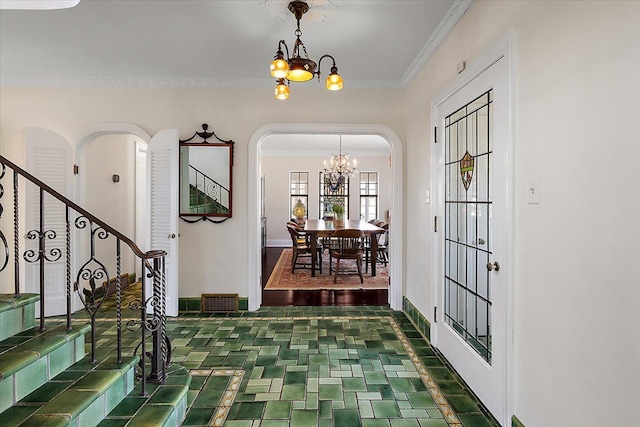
[495, 266]
[172, 236]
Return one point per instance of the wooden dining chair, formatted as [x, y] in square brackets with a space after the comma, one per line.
[382, 252]
[347, 245]
[302, 248]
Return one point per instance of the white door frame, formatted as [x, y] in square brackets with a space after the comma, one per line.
[396, 270]
[504, 48]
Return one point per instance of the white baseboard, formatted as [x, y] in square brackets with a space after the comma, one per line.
[279, 243]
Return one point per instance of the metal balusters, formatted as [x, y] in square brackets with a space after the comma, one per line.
[143, 319]
[68, 265]
[16, 230]
[91, 272]
[41, 260]
[3, 264]
[118, 301]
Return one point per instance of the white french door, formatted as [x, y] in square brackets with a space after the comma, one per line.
[162, 197]
[471, 328]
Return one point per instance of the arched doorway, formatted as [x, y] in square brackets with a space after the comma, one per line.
[121, 136]
[397, 198]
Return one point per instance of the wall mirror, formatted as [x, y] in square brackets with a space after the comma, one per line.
[206, 187]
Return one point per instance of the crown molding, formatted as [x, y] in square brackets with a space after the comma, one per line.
[160, 82]
[453, 16]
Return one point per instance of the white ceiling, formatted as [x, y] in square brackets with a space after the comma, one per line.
[376, 43]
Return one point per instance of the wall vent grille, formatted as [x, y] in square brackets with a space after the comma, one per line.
[219, 303]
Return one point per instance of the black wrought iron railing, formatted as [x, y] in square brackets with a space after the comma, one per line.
[91, 280]
[208, 195]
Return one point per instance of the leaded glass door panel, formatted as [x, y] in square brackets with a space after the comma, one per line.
[471, 272]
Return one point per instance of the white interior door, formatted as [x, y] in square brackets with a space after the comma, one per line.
[471, 328]
[162, 180]
[48, 158]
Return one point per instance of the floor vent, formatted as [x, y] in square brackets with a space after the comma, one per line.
[219, 303]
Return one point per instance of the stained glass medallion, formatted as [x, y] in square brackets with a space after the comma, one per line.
[466, 169]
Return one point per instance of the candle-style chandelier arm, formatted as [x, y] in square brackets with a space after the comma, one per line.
[279, 54]
[334, 69]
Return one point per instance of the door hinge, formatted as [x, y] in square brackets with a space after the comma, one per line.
[435, 314]
[435, 135]
[75, 169]
[435, 224]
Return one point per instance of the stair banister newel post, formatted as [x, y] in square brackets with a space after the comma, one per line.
[157, 326]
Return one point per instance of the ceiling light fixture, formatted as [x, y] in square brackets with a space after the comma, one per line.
[339, 167]
[296, 68]
[38, 4]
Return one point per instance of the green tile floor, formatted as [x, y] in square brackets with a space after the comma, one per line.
[310, 366]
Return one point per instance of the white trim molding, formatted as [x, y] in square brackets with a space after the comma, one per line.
[396, 268]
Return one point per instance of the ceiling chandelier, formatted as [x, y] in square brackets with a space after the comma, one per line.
[297, 68]
[338, 168]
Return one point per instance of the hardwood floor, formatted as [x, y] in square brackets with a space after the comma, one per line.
[378, 297]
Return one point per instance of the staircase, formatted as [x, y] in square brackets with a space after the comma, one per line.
[50, 371]
[47, 380]
[199, 202]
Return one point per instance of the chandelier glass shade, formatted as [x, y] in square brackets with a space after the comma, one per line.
[339, 167]
[299, 67]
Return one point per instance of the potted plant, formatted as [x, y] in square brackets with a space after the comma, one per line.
[338, 209]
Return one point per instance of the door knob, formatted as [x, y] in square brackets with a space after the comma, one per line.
[172, 236]
[495, 266]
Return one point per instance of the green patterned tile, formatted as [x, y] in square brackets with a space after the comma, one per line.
[463, 404]
[299, 350]
[278, 410]
[421, 400]
[330, 392]
[375, 423]
[293, 392]
[385, 409]
[198, 417]
[405, 423]
[304, 418]
[346, 417]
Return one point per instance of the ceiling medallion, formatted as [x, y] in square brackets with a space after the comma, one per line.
[319, 11]
[299, 68]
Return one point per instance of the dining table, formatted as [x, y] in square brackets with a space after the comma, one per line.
[316, 228]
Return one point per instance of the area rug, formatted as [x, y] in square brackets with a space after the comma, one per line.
[282, 279]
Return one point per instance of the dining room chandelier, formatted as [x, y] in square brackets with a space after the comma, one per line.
[338, 168]
[297, 68]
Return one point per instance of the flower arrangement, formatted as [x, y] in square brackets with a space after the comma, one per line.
[338, 209]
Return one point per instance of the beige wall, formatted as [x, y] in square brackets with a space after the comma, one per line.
[576, 290]
[213, 257]
[113, 202]
[276, 172]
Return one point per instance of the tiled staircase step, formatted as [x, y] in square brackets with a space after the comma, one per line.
[17, 313]
[165, 405]
[31, 358]
[80, 396]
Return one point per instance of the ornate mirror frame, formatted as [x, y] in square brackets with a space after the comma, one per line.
[205, 178]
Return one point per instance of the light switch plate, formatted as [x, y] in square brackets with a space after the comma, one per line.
[533, 190]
